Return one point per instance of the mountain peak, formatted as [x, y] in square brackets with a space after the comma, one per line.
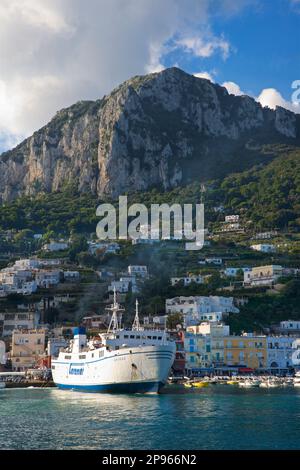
[162, 129]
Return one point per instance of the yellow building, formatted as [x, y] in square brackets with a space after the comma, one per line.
[27, 347]
[246, 351]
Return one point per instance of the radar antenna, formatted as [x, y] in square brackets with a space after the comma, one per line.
[115, 322]
[136, 323]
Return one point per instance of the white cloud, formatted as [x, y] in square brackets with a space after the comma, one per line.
[56, 52]
[207, 75]
[268, 97]
[156, 51]
[205, 46]
[233, 88]
[271, 97]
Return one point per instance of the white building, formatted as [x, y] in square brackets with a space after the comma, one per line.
[156, 320]
[232, 218]
[263, 275]
[216, 261]
[137, 270]
[264, 248]
[187, 280]
[71, 275]
[106, 247]
[13, 280]
[54, 346]
[121, 286]
[296, 353]
[210, 317]
[231, 227]
[210, 328]
[31, 263]
[196, 309]
[3, 357]
[232, 272]
[290, 325]
[46, 278]
[51, 262]
[144, 241]
[14, 277]
[264, 235]
[279, 352]
[27, 288]
[18, 320]
[55, 246]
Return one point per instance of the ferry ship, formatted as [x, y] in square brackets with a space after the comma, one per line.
[137, 360]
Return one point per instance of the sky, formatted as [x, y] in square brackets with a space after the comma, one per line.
[56, 52]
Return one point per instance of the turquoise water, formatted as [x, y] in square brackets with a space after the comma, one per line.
[218, 417]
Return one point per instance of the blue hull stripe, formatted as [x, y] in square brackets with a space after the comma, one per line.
[131, 387]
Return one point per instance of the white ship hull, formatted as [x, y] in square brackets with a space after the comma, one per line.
[143, 369]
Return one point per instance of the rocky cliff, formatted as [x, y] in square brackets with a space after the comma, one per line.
[162, 129]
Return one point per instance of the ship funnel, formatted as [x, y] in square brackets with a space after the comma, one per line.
[79, 341]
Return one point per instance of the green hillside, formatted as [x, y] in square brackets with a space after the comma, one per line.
[265, 196]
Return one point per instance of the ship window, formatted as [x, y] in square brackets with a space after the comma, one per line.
[82, 356]
[159, 337]
[132, 336]
[125, 336]
[149, 337]
[67, 357]
[92, 354]
[53, 367]
[154, 337]
[101, 353]
[117, 336]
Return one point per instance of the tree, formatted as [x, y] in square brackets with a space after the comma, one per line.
[173, 320]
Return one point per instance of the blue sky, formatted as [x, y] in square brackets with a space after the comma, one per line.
[265, 48]
[56, 52]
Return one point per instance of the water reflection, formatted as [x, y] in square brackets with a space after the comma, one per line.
[211, 418]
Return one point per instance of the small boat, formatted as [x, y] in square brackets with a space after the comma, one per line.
[200, 384]
[232, 382]
[248, 383]
[187, 385]
[297, 379]
[288, 383]
[269, 383]
[245, 384]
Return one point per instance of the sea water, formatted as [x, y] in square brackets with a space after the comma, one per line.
[217, 417]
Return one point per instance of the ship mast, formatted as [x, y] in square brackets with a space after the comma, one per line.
[136, 323]
[115, 323]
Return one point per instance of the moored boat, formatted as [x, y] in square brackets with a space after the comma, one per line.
[297, 379]
[123, 361]
[269, 383]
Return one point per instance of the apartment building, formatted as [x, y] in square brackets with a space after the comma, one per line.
[10, 321]
[246, 351]
[196, 309]
[27, 348]
[187, 280]
[263, 275]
